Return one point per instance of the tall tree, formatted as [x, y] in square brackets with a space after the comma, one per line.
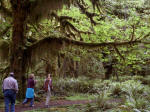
[24, 12]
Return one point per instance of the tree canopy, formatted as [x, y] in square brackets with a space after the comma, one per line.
[118, 28]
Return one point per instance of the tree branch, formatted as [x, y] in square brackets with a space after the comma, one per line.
[67, 28]
[68, 42]
[117, 51]
[133, 33]
[52, 45]
[96, 3]
[88, 14]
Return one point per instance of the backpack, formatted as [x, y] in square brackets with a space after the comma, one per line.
[47, 82]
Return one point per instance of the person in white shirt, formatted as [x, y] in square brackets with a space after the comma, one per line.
[48, 88]
[10, 88]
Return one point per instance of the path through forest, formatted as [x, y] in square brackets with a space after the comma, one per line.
[56, 103]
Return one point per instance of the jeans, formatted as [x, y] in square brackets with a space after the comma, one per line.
[9, 97]
[26, 101]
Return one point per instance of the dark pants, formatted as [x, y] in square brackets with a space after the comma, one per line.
[28, 99]
[9, 97]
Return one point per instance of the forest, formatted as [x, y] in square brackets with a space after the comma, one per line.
[97, 52]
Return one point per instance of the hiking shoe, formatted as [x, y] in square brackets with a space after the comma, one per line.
[31, 105]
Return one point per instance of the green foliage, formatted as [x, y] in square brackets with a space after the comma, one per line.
[133, 95]
[116, 90]
[132, 88]
[110, 28]
[80, 96]
[40, 82]
[81, 85]
[120, 21]
[101, 101]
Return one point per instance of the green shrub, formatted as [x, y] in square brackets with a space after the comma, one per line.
[116, 89]
[80, 85]
[132, 88]
[101, 101]
[139, 103]
[125, 78]
[144, 80]
[136, 95]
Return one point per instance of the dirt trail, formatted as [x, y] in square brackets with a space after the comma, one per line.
[56, 103]
[21, 108]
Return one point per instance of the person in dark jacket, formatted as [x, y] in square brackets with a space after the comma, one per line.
[30, 90]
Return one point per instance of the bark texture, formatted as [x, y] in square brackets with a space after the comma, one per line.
[17, 59]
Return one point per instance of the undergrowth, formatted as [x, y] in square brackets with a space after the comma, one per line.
[134, 95]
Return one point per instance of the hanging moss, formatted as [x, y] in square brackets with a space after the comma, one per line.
[4, 49]
[46, 48]
[38, 9]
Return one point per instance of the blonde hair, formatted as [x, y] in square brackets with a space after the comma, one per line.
[31, 75]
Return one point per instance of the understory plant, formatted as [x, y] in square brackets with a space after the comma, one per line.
[136, 96]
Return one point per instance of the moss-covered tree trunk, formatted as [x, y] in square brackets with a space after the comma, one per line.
[17, 58]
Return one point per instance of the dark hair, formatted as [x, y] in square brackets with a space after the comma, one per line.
[49, 75]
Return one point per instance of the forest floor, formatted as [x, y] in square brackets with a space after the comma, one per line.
[56, 103]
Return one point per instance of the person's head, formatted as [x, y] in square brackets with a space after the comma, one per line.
[11, 74]
[31, 75]
[49, 75]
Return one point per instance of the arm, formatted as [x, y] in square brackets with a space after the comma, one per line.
[51, 85]
[16, 87]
